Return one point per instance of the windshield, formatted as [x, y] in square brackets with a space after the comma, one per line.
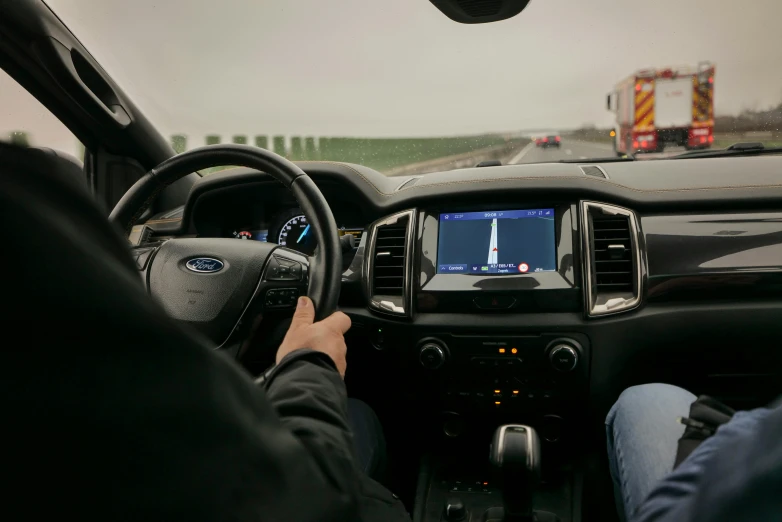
[399, 87]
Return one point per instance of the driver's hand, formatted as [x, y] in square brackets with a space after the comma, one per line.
[325, 336]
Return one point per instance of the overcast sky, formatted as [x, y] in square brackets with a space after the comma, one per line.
[401, 68]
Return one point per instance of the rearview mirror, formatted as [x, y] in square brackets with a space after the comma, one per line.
[479, 12]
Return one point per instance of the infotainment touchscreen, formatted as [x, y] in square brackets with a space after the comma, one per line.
[497, 242]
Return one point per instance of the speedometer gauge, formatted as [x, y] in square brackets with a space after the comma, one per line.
[297, 234]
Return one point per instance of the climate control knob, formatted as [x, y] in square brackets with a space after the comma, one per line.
[563, 357]
[432, 355]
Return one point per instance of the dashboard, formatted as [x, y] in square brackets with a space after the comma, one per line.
[286, 227]
[265, 211]
[539, 289]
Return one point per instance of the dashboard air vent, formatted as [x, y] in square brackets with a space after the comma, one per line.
[594, 171]
[388, 278]
[613, 253]
[613, 267]
[388, 264]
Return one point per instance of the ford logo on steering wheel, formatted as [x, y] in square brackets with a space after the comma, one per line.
[204, 264]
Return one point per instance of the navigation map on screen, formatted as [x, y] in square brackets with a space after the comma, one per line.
[497, 242]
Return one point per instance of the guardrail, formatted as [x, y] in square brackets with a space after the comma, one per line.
[461, 161]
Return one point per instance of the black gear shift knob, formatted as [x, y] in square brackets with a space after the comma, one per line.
[515, 452]
[515, 446]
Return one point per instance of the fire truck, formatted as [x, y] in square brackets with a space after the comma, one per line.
[659, 107]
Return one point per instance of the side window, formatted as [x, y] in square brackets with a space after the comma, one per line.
[25, 121]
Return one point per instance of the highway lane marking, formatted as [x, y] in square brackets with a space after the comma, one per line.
[582, 157]
[523, 152]
[596, 145]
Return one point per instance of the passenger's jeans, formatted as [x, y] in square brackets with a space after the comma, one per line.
[642, 433]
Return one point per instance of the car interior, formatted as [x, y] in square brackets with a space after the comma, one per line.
[646, 271]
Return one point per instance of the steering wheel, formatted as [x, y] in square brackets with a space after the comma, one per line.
[214, 283]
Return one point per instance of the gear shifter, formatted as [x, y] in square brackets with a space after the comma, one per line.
[515, 453]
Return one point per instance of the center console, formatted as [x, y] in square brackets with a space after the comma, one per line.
[474, 303]
[485, 310]
[508, 486]
[440, 262]
[537, 378]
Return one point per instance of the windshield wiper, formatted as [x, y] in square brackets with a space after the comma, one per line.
[609, 159]
[737, 149]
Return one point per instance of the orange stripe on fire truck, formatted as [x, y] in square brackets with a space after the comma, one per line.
[701, 102]
[644, 104]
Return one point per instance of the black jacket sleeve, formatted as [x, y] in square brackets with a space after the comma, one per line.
[309, 396]
[114, 412]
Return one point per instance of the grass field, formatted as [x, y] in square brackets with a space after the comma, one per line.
[722, 144]
[382, 153]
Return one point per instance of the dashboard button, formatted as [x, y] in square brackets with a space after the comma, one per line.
[494, 302]
[563, 357]
[431, 355]
[510, 366]
[481, 363]
[378, 338]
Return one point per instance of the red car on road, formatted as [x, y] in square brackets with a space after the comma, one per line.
[553, 140]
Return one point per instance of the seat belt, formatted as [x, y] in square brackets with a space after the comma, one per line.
[706, 415]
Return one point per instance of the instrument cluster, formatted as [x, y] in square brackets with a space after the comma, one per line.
[289, 228]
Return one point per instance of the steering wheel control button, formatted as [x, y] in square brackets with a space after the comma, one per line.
[431, 355]
[281, 269]
[563, 357]
[281, 297]
[494, 302]
[296, 271]
[273, 269]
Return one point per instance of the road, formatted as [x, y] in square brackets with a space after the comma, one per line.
[579, 150]
[569, 149]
